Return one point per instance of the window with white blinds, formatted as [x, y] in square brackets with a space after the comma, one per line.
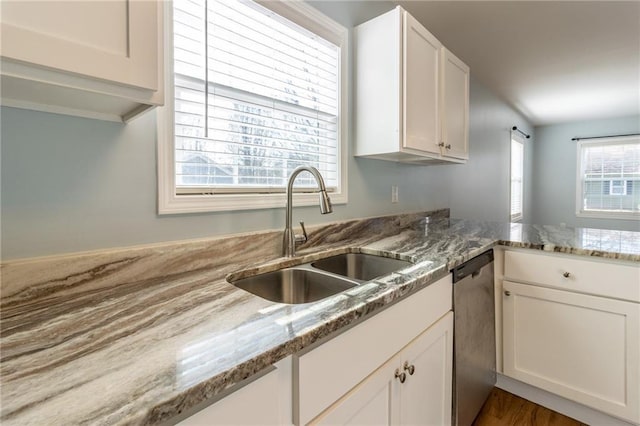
[609, 177]
[255, 96]
[517, 179]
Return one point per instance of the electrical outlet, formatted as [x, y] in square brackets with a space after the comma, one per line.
[394, 193]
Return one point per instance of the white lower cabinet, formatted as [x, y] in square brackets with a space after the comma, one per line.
[425, 396]
[351, 378]
[369, 403]
[583, 347]
[264, 401]
[395, 368]
[412, 388]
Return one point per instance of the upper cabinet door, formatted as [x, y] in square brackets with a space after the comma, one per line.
[111, 40]
[421, 69]
[455, 105]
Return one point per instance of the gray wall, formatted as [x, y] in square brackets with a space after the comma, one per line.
[480, 189]
[555, 163]
[72, 184]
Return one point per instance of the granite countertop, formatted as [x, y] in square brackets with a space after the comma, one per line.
[78, 351]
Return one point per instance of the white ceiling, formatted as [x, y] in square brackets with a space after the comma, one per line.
[554, 61]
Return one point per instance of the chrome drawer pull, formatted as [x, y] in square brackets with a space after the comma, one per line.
[566, 274]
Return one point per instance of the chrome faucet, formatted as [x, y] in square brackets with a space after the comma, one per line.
[290, 238]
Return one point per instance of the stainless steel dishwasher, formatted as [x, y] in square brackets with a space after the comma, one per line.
[474, 338]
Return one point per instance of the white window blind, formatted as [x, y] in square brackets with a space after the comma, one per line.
[517, 173]
[256, 96]
[609, 176]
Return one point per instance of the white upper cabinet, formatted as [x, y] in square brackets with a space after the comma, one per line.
[420, 87]
[455, 105]
[98, 59]
[412, 95]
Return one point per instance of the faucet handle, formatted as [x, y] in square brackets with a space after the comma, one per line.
[304, 237]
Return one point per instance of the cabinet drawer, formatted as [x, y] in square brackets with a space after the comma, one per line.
[327, 372]
[620, 281]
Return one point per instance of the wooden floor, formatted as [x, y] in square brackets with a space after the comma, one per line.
[505, 409]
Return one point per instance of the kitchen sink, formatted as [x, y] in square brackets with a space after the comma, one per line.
[360, 266]
[294, 285]
[316, 280]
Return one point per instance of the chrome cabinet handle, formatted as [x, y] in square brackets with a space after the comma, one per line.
[441, 144]
[400, 376]
[507, 293]
[566, 274]
[448, 146]
[409, 368]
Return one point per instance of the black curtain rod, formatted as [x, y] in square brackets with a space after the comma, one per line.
[601, 137]
[515, 129]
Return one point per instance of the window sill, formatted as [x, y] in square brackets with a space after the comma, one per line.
[180, 204]
[608, 215]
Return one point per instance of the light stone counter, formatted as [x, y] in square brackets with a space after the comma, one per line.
[138, 335]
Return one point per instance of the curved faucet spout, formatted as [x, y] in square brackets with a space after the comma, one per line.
[290, 239]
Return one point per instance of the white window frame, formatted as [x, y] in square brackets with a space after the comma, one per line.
[517, 139]
[600, 214]
[171, 203]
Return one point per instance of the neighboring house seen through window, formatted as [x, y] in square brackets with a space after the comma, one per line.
[257, 91]
[608, 183]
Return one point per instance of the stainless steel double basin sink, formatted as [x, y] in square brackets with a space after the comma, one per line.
[322, 278]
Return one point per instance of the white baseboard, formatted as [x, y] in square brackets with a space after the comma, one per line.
[559, 404]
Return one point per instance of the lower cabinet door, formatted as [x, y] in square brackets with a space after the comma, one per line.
[412, 388]
[425, 396]
[369, 403]
[584, 348]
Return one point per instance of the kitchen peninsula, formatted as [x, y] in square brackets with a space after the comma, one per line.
[111, 337]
